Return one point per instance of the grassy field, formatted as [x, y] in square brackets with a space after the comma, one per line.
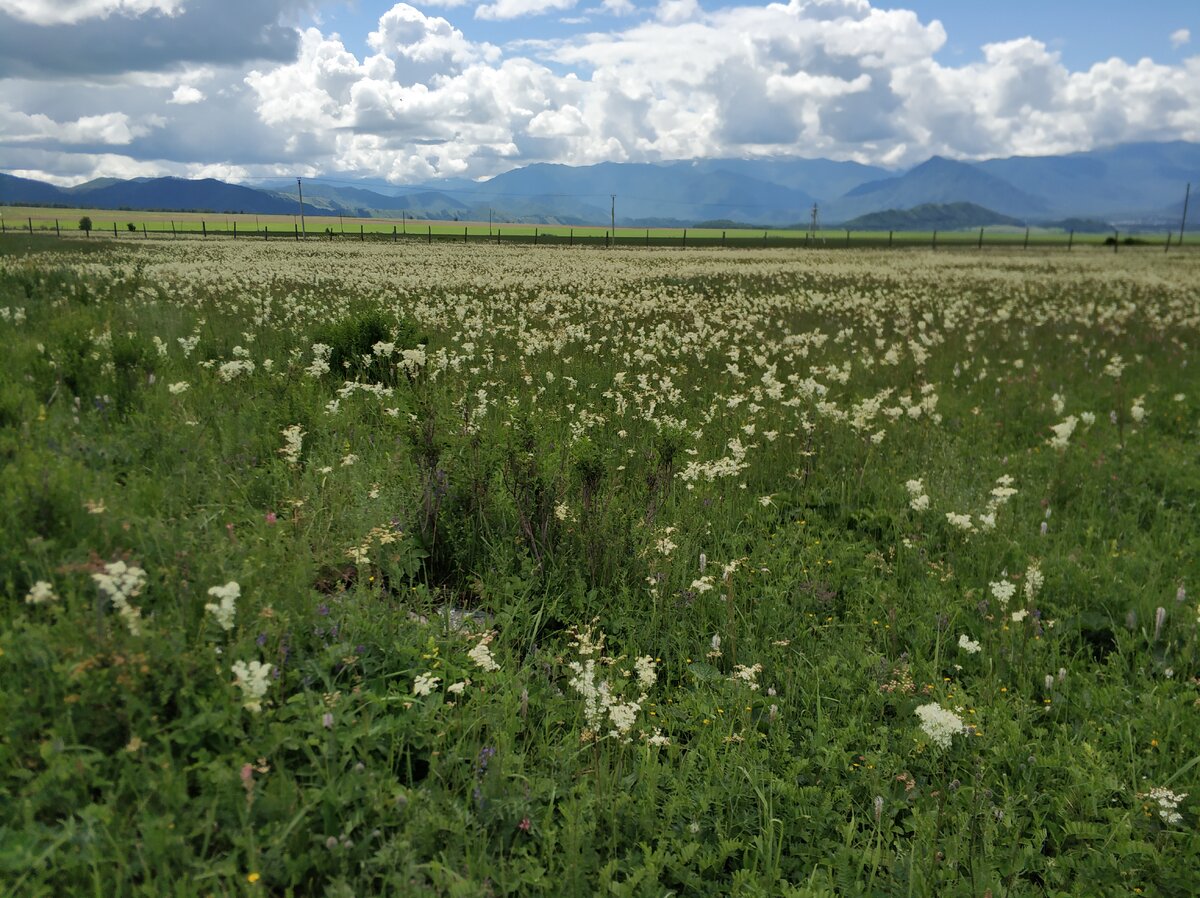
[341, 569]
[106, 222]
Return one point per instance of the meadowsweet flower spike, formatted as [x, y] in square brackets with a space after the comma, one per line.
[253, 679]
[40, 593]
[120, 583]
[939, 724]
[226, 610]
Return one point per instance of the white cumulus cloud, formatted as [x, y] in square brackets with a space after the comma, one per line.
[69, 12]
[1180, 38]
[512, 9]
[185, 95]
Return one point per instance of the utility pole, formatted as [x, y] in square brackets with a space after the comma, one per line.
[1187, 196]
[614, 217]
[300, 190]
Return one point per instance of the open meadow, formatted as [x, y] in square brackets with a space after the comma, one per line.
[350, 569]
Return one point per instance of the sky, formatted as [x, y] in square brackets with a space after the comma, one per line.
[408, 93]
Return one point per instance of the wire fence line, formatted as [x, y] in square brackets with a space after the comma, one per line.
[383, 231]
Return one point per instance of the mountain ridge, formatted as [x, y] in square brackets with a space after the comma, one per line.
[1139, 184]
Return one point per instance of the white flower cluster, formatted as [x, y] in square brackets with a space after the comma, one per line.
[293, 439]
[917, 500]
[747, 675]
[1034, 580]
[120, 583]
[1138, 411]
[482, 656]
[425, 683]
[253, 679]
[1003, 591]
[939, 724]
[601, 699]
[320, 363]
[41, 593]
[1062, 432]
[226, 611]
[412, 360]
[968, 645]
[1168, 804]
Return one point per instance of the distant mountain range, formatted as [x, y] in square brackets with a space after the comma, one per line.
[1138, 184]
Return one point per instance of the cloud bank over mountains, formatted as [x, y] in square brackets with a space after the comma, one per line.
[236, 91]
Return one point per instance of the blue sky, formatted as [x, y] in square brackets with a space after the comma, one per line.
[1082, 32]
[442, 89]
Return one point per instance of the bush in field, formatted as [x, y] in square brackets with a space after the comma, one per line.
[85, 223]
[352, 341]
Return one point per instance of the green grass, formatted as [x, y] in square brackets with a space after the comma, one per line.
[159, 225]
[569, 434]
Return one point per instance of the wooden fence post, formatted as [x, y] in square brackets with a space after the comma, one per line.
[57, 230]
[890, 233]
[204, 228]
[429, 232]
[1070, 239]
[114, 230]
[173, 234]
[464, 235]
[265, 236]
[361, 236]
[980, 239]
[935, 239]
[234, 229]
[1116, 241]
[847, 238]
[1026, 237]
[1168, 249]
[685, 237]
[146, 235]
[31, 226]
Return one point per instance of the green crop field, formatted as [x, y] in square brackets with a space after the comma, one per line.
[127, 225]
[340, 568]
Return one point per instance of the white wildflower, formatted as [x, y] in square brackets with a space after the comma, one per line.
[253, 679]
[939, 724]
[1062, 432]
[960, 522]
[1033, 581]
[41, 593]
[968, 645]
[122, 582]
[226, 610]
[646, 673]
[1003, 591]
[425, 683]
[482, 656]
[293, 438]
[1168, 803]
